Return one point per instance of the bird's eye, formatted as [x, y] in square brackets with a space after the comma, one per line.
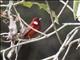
[35, 22]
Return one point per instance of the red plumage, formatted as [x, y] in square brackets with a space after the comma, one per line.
[35, 23]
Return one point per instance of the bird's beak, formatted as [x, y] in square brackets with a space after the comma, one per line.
[40, 19]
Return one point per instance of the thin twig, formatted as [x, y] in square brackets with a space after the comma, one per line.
[28, 24]
[62, 9]
[70, 44]
[64, 44]
[67, 5]
[34, 40]
[71, 24]
[54, 26]
[55, 20]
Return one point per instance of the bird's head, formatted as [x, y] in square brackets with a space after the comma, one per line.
[36, 21]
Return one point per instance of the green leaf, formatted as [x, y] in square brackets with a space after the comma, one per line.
[27, 4]
[46, 8]
[42, 6]
[55, 16]
[75, 7]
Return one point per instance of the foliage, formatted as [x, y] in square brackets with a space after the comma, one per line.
[27, 4]
[76, 8]
[41, 6]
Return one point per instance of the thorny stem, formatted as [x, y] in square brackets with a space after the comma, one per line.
[65, 45]
[68, 38]
[72, 36]
[70, 44]
[33, 40]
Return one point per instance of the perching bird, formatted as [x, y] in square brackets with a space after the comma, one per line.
[36, 24]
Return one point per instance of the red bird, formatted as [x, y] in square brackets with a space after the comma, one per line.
[29, 33]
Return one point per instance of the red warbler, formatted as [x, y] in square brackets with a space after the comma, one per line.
[36, 24]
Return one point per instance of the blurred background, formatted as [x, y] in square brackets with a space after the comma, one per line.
[48, 46]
